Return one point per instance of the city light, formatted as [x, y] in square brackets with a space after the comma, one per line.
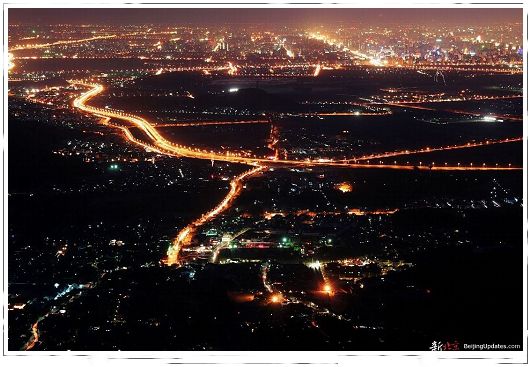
[327, 288]
[163, 145]
[316, 265]
[203, 171]
[344, 187]
[276, 298]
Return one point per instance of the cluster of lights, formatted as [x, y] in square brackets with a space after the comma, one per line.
[344, 187]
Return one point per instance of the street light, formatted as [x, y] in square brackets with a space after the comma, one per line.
[276, 298]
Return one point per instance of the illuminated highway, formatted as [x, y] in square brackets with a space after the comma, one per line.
[186, 234]
[34, 339]
[66, 42]
[437, 149]
[417, 107]
[206, 123]
[163, 146]
[159, 143]
[456, 99]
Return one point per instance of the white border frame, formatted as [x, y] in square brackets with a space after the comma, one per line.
[344, 358]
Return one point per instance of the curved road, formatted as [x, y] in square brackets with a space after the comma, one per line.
[161, 144]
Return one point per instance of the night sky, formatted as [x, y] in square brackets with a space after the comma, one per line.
[256, 16]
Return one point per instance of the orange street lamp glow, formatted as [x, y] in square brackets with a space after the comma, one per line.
[276, 298]
[344, 187]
